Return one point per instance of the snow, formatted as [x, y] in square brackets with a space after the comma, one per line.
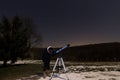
[82, 72]
[25, 62]
[113, 75]
[79, 72]
[89, 73]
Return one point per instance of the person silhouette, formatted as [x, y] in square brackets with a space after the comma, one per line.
[46, 58]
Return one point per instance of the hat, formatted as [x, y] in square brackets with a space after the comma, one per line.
[48, 48]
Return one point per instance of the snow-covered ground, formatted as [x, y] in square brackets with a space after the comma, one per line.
[88, 73]
[113, 75]
[25, 62]
[80, 72]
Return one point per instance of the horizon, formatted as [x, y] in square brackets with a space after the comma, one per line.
[80, 45]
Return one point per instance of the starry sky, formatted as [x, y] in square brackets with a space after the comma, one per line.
[77, 22]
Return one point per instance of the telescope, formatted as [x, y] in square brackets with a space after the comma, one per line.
[61, 49]
[59, 62]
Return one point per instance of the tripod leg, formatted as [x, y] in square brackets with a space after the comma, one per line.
[63, 64]
[55, 64]
[64, 68]
[51, 76]
[58, 62]
[54, 68]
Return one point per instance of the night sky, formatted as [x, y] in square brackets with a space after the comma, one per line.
[77, 22]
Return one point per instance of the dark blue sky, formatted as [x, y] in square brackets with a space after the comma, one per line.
[76, 22]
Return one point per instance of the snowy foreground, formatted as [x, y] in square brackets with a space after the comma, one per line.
[88, 73]
[113, 75]
[82, 72]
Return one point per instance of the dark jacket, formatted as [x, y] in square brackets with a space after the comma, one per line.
[46, 57]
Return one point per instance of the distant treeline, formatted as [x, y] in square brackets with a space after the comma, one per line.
[92, 52]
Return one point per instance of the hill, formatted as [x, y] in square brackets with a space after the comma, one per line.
[92, 52]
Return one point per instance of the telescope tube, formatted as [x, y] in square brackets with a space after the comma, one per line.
[61, 49]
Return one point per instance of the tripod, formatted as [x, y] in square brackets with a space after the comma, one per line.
[59, 64]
